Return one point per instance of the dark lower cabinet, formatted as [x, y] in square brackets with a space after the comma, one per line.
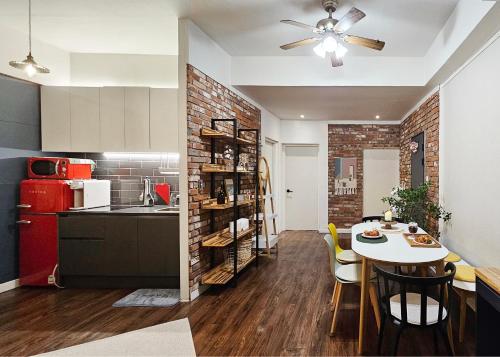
[119, 251]
[152, 245]
[487, 317]
[121, 246]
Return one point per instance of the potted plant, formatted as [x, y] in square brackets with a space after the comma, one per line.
[414, 205]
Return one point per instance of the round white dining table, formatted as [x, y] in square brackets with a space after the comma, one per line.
[396, 251]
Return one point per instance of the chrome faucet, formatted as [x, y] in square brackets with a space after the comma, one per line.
[147, 194]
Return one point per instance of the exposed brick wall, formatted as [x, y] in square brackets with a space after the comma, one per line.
[207, 99]
[424, 119]
[350, 141]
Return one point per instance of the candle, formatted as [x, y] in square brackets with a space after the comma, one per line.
[388, 216]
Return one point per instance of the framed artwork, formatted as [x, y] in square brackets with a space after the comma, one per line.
[345, 176]
[228, 184]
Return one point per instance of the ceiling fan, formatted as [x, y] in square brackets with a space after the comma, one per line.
[330, 33]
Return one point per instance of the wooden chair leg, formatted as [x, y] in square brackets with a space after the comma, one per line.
[462, 317]
[373, 299]
[332, 302]
[337, 307]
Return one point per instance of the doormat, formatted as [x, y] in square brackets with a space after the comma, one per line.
[150, 298]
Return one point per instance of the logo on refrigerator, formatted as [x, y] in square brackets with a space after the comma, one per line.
[38, 192]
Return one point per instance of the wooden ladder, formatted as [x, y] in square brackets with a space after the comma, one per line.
[266, 189]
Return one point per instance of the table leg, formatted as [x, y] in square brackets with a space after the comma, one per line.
[463, 315]
[363, 303]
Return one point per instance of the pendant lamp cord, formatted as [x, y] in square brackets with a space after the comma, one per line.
[29, 21]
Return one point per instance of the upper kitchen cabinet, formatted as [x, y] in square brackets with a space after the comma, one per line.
[55, 111]
[137, 119]
[112, 119]
[84, 116]
[164, 134]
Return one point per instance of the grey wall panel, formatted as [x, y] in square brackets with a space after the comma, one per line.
[19, 114]
[19, 139]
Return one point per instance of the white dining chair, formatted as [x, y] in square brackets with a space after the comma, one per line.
[345, 274]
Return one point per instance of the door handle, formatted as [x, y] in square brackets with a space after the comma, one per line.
[23, 221]
[288, 190]
[24, 205]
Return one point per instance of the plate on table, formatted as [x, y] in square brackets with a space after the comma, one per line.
[371, 236]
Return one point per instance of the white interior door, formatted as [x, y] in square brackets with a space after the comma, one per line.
[380, 176]
[301, 187]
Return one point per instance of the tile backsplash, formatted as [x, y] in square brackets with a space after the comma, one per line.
[127, 172]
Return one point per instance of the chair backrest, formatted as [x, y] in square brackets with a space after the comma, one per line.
[331, 253]
[335, 236]
[378, 218]
[423, 285]
[372, 219]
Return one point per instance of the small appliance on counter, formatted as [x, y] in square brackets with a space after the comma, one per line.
[40, 200]
[61, 168]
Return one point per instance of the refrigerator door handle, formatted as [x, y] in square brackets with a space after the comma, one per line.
[24, 205]
[23, 221]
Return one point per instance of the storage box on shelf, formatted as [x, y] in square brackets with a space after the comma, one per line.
[236, 245]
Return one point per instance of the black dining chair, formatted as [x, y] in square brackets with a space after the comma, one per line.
[415, 302]
[378, 218]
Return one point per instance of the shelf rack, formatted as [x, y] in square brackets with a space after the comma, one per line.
[222, 274]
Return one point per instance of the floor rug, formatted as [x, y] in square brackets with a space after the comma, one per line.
[169, 339]
[150, 298]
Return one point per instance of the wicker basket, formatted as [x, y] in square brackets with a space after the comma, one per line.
[244, 253]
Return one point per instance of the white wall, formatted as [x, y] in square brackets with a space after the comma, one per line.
[311, 132]
[470, 158]
[380, 176]
[102, 69]
[14, 46]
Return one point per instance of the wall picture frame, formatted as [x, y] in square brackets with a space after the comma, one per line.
[229, 185]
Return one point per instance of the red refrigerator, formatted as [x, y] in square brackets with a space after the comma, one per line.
[40, 200]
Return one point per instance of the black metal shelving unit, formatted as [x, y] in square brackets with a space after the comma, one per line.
[217, 274]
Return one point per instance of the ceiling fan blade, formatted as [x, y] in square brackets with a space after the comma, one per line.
[349, 19]
[365, 42]
[304, 42]
[300, 24]
[336, 62]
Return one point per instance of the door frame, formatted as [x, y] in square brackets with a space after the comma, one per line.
[283, 181]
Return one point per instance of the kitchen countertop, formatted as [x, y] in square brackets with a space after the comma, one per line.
[133, 211]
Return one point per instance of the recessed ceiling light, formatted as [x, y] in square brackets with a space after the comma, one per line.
[377, 116]
[302, 116]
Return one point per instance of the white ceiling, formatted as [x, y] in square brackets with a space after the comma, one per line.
[99, 26]
[336, 103]
[252, 28]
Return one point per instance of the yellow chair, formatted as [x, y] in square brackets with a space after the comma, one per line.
[342, 256]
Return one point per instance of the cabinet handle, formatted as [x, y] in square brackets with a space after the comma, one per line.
[23, 221]
[24, 205]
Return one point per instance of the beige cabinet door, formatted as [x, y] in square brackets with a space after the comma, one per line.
[55, 119]
[112, 114]
[163, 120]
[137, 119]
[84, 105]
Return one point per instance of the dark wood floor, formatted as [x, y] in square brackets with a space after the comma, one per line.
[281, 308]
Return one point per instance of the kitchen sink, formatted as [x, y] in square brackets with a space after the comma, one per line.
[168, 209]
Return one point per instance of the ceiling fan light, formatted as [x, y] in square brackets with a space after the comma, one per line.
[320, 50]
[329, 44]
[340, 51]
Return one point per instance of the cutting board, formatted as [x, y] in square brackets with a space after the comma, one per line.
[412, 243]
